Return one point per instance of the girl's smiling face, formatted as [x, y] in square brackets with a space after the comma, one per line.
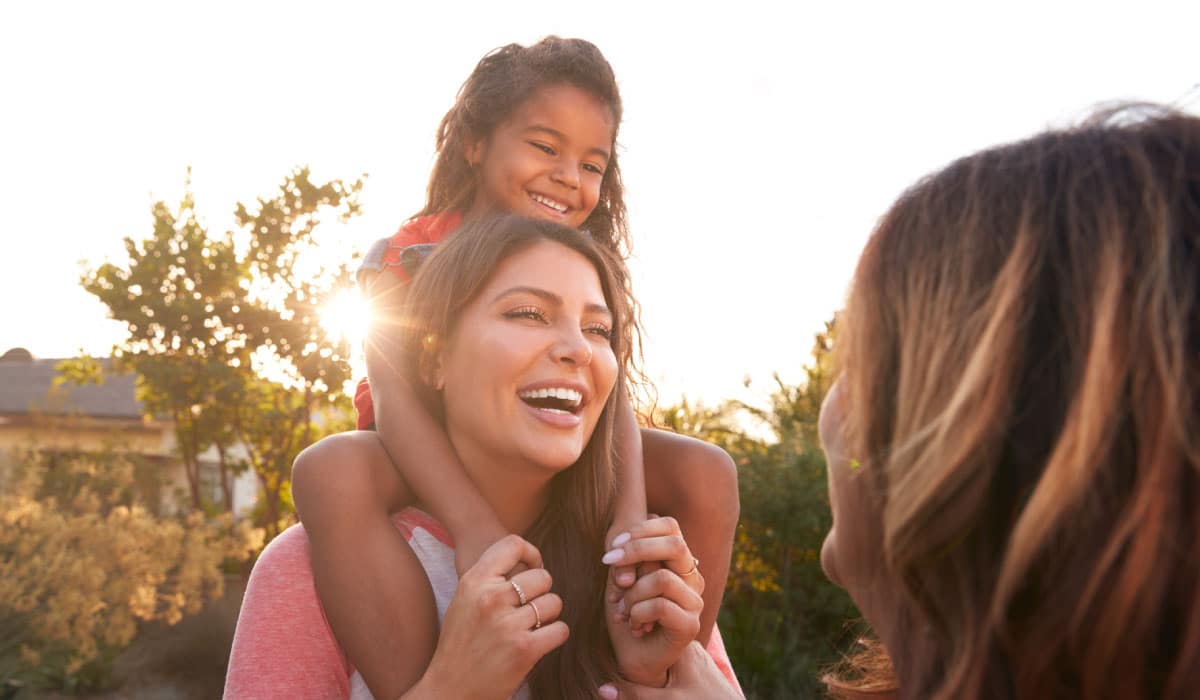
[529, 365]
[547, 161]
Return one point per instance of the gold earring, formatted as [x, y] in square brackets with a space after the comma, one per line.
[429, 342]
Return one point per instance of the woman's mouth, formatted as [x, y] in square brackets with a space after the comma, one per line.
[554, 400]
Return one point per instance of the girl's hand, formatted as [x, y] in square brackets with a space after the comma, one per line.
[652, 622]
[489, 639]
[694, 677]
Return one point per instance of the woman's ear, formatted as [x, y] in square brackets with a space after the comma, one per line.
[431, 362]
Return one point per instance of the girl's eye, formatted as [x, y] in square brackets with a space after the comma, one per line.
[542, 147]
[593, 168]
[599, 329]
[527, 312]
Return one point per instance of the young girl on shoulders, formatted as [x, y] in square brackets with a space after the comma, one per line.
[533, 132]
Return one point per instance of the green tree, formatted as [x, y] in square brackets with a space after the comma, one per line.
[180, 297]
[781, 619]
[224, 331]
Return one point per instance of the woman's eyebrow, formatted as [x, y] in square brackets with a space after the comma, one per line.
[551, 298]
[562, 137]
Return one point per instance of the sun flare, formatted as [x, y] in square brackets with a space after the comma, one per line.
[347, 316]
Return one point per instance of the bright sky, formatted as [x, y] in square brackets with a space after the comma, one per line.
[760, 143]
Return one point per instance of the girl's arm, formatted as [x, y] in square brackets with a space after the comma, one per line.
[696, 483]
[372, 587]
[283, 648]
[415, 443]
[630, 506]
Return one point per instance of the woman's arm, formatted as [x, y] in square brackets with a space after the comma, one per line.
[414, 441]
[696, 483]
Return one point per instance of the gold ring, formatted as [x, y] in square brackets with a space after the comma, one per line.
[695, 565]
[520, 593]
[537, 616]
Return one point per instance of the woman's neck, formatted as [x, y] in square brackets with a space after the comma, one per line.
[517, 493]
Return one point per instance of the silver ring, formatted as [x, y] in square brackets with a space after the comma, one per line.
[520, 593]
[537, 617]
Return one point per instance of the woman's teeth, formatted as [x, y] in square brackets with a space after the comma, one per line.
[556, 206]
[555, 400]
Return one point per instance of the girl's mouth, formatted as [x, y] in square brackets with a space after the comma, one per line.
[554, 206]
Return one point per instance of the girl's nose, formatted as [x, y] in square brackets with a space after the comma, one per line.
[566, 174]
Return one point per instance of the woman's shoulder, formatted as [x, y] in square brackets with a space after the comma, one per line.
[283, 646]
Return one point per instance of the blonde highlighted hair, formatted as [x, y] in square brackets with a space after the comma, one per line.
[1021, 354]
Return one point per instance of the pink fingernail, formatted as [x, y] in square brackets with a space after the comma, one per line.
[625, 580]
[608, 692]
[613, 556]
[621, 539]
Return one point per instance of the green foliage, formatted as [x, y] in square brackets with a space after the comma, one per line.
[225, 334]
[782, 620]
[83, 565]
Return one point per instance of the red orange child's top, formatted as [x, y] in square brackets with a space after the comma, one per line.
[385, 254]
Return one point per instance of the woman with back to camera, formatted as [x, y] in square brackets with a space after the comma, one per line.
[1014, 441]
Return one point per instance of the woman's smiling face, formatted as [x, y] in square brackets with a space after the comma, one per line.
[529, 365]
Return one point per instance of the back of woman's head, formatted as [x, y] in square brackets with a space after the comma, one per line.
[501, 82]
[570, 531]
[1021, 357]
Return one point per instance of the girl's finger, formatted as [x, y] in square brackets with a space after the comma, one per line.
[664, 584]
[680, 623]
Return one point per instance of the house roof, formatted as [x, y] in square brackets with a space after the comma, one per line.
[27, 386]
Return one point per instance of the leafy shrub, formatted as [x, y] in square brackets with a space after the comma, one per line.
[83, 564]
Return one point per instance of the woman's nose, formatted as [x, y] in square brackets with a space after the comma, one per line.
[573, 348]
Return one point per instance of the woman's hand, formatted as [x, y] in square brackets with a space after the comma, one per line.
[653, 621]
[694, 677]
[491, 638]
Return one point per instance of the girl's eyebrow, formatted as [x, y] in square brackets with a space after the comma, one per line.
[551, 298]
[563, 137]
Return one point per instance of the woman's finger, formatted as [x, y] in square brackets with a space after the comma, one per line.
[501, 557]
[547, 638]
[540, 611]
[529, 584]
[672, 550]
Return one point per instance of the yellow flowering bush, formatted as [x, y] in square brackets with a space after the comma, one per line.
[81, 567]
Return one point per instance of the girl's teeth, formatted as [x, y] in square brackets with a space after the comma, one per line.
[560, 208]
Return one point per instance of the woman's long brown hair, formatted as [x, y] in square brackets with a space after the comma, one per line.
[1022, 361]
[570, 532]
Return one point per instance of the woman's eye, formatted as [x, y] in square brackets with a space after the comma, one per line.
[527, 312]
[600, 329]
[542, 147]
